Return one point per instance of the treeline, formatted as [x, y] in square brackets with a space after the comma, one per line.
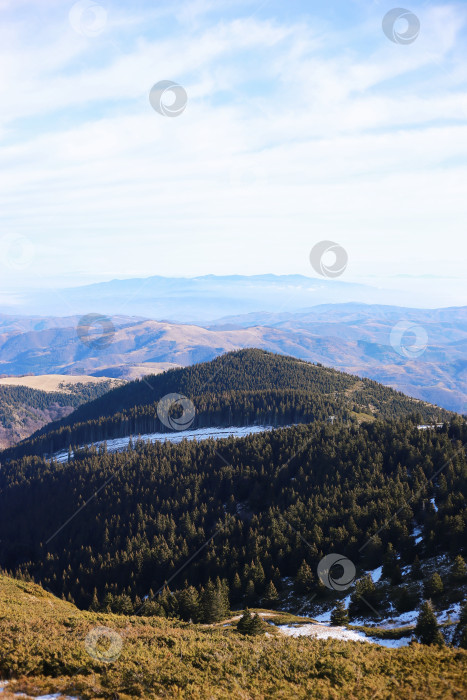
[258, 510]
[237, 389]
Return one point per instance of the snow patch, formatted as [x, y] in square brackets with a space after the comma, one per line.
[120, 444]
[342, 633]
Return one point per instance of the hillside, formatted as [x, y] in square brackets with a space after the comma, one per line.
[29, 403]
[354, 338]
[263, 504]
[240, 388]
[47, 646]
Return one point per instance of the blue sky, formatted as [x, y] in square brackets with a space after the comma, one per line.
[303, 123]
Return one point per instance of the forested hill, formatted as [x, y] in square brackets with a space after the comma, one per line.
[240, 388]
[253, 509]
[24, 410]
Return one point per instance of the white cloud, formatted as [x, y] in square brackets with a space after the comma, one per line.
[284, 142]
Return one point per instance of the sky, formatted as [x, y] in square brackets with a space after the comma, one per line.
[299, 122]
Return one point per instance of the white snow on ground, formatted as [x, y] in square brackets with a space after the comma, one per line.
[3, 685]
[376, 574]
[342, 633]
[119, 444]
[401, 619]
[432, 501]
[453, 611]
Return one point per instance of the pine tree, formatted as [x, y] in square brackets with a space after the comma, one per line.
[389, 562]
[426, 629]
[94, 602]
[257, 626]
[433, 586]
[250, 624]
[339, 615]
[244, 623]
[416, 569]
[250, 591]
[189, 603]
[396, 576]
[271, 597]
[304, 580]
[459, 569]
[236, 588]
[214, 601]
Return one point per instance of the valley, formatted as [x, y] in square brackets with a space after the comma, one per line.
[152, 526]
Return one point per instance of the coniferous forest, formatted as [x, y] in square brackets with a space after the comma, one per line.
[269, 507]
[237, 389]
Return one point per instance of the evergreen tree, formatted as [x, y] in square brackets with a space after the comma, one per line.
[339, 615]
[304, 579]
[458, 570]
[257, 626]
[189, 604]
[250, 591]
[426, 629]
[244, 623]
[416, 569]
[214, 601]
[94, 602]
[271, 597]
[250, 624]
[236, 588]
[389, 562]
[405, 599]
[396, 576]
[433, 586]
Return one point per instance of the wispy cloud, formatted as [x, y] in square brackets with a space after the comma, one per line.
[297, 129]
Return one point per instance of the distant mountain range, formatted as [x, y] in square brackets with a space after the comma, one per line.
[200, 299]
[355, 338]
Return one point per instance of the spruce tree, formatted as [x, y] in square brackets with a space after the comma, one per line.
[244, 623]
[416, 569]
[257, 626]
[271, 597]
[339, 615]
[390, 561]
[458, 570]
[250, 591]
[433, 586]
[426, 629]
[304, 579]
[236, 588]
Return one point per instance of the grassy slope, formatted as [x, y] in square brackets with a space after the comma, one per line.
[42, 650]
